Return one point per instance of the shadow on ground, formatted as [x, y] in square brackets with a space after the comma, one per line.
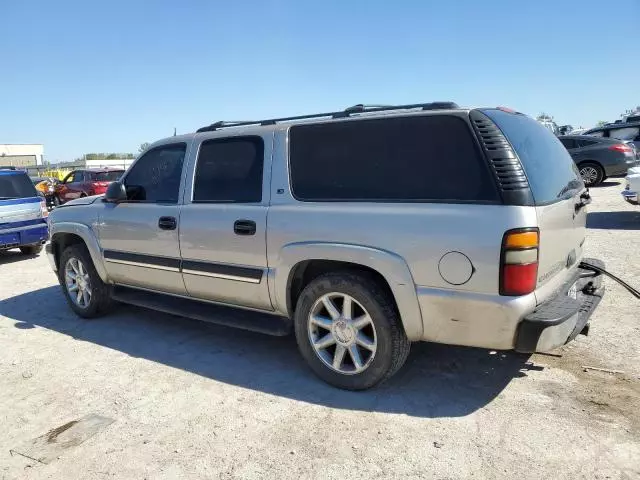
[437, 381]
[606, 183]
[11, 256]
[625, 220]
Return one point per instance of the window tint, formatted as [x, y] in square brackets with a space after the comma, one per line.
[627, 133]
[598, 133]
[229, 170]
[568, 142]
[586, 143]
[155, 177]
[394, 159]
[106, 176]
[16, 186]
[547, 164]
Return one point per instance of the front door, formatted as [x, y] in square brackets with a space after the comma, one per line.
[223, 221]
[139, 237]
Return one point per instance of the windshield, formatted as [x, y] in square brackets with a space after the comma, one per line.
[106, 176]
[551, 172]
[16, 186]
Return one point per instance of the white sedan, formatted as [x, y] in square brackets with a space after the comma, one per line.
[630, 193]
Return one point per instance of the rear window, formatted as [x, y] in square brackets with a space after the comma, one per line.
[16, 186]
[105, 176]
[418, 158]
[549, 168]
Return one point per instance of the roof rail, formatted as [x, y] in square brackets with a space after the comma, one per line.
[355, 109]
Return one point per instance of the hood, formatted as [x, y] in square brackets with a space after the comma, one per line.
[81, 201]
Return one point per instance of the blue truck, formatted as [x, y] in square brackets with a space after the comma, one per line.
[23, 213]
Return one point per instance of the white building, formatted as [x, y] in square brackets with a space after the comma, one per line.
[21, 155]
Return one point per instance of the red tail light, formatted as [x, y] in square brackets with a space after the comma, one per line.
[519, 261]
[621, 148]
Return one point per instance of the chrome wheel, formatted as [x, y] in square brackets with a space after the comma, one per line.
[77, 282]
[342, 333]
[589, 175]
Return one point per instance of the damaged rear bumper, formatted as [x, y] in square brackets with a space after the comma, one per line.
[560, 319]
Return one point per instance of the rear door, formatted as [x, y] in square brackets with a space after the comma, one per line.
[223, 223]
[556, 187]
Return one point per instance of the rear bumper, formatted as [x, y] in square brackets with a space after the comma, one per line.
[560, 319]
[18, 237]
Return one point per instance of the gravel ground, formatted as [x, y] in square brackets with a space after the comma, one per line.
[193, 400]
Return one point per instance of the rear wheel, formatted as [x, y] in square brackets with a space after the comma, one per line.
[349, 332]
[31, 249]
[592, 173]
[84, 290]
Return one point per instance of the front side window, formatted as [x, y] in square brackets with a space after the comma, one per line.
[411, 159]
[229, 170]
[568, 143]
[106, 176]
[155, 177]
[586, 143]
[71, 177]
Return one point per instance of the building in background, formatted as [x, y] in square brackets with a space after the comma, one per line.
[21, 155]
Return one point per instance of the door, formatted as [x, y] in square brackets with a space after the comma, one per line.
[224, 220]
[139, 237]
[71, 186]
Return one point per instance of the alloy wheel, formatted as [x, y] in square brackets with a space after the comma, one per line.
[589, 175]
[342, 333]
[77, 282]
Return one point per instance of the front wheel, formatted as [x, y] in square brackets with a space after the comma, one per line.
[592, 174]
[84, 290]
[349, 332]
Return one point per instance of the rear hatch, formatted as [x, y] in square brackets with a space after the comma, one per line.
[556, 187]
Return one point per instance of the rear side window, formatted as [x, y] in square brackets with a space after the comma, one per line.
[568, 143]
[155, 177]
[546, 162]
[229, 170]
[106, 176]
[16, 186]
[586, 143]
[421, 158]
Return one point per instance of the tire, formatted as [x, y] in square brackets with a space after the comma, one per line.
[384, 329]
[592, 173]
[99, 301]
[56, 201]
[31, 249]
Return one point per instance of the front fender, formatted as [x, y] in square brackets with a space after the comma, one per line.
[90, 240]
[391, 266]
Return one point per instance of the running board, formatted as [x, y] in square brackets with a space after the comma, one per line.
[218, 314]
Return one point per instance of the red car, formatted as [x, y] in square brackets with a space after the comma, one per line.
[83, 183]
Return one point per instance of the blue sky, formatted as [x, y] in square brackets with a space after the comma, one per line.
[83, 76]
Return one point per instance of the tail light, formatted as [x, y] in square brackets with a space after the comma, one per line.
[621, 148]
[519, 261]
[44, 211]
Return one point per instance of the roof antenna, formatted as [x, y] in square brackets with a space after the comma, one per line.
[174, 131]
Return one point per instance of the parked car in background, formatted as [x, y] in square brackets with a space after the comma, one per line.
[47, 187]
[86, 182]
[632, 187]
[362, 230]
[629, 131]
[598, 158]
[23, 213]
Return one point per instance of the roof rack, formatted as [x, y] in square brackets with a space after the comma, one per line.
[355, 109]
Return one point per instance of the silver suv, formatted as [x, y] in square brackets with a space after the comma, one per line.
[361, 230]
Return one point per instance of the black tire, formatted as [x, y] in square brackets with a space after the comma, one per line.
[392, 343]
[101, 301]
[591, 166]
[31, 249]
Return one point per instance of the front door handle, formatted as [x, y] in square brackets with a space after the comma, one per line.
[167, 223]
[244, 227]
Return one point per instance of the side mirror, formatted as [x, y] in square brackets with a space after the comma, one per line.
[116, 193]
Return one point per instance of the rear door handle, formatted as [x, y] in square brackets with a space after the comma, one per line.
[244, 227]
[167, 223]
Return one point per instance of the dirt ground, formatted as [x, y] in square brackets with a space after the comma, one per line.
[194, 400]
